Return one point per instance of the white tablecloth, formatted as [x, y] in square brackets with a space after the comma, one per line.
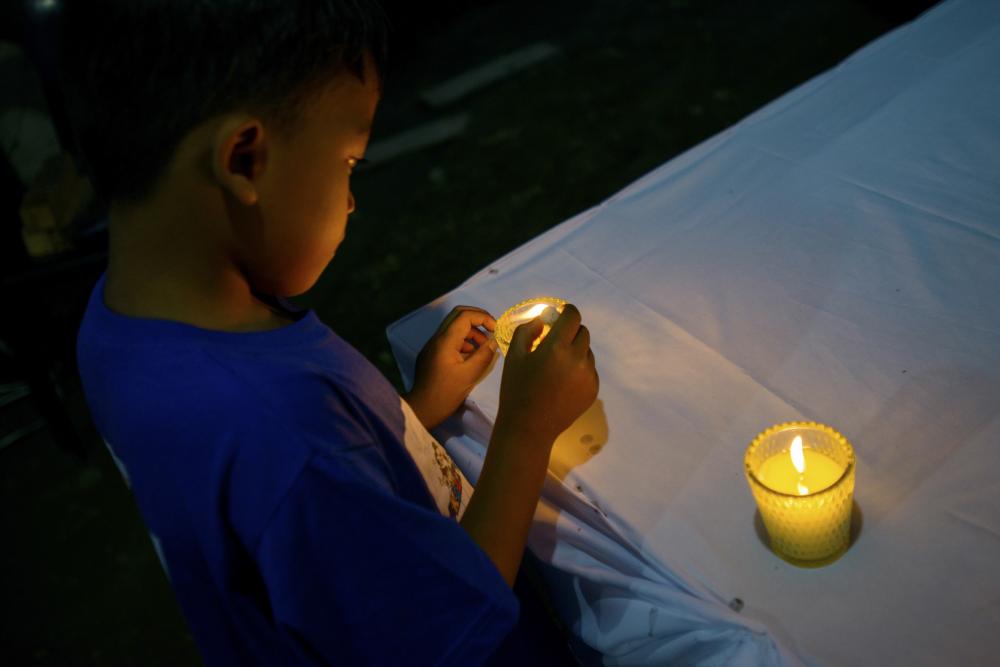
[835, 256]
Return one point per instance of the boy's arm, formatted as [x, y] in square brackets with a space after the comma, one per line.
[501, 509]
[541, 394]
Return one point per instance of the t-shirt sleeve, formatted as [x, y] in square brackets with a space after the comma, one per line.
[358, 576]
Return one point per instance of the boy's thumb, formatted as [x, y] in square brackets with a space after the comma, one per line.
[525, 335]
[484, 354]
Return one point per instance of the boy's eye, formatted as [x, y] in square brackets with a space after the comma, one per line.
[353, 162]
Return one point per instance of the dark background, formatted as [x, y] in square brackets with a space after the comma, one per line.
[636, 83]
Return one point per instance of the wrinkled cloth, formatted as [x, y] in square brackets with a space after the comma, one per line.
[835, 256]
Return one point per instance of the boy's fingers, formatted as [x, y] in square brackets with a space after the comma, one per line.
[473, 317]
[482, 317]
[464, 324]
[565, 328]
[476, 336]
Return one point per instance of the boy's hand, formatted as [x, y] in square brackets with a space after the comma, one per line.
[451, 363]
[543, 392]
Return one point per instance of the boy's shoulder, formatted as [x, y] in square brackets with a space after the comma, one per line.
[300, 383]
[165, 371]
[244, 414]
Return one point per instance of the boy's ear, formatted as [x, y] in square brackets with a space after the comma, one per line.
[240, 150]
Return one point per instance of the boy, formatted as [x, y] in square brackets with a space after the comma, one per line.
[301, 511]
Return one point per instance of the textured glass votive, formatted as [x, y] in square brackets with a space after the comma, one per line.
[523, 312]
[802, 477]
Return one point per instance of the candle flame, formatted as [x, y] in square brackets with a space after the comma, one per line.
[534, 311]
[798, 459]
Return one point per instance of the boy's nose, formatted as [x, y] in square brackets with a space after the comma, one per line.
[350, 202]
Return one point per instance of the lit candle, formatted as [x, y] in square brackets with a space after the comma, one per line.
[802, 477]
[548, 307]
[800, 471]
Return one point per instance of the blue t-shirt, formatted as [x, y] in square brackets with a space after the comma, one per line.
[271, 470]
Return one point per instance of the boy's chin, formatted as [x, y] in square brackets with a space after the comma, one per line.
[300, 288]
[288, 286]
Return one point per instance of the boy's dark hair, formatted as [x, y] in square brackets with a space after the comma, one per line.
[138, 75]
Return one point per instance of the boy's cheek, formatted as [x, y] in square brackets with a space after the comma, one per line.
[292, 244]
[284, 269]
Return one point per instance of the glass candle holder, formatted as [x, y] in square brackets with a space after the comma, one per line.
[802, 477]
[522, 312]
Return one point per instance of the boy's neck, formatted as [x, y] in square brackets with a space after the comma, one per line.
[166, 261]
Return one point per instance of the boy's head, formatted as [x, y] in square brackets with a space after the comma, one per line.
[283, 88]
[140, 74]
